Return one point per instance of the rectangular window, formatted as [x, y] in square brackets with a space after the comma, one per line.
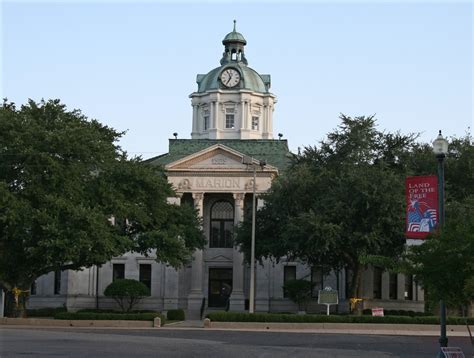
[57, 282]
[317, 280]
[145, 275]
[393, 286]
[377, 283]
[118, 272]
[33, 288]
[229, 121]
[255, 121]
[409, 287]
[289, 274]
[206, 122]
[222, 234]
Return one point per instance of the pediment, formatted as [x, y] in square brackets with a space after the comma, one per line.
[219, 258]
[215, 158]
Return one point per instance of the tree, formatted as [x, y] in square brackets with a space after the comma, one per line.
[127, 293]
[62, 178]
[444, 264]
[339, 203]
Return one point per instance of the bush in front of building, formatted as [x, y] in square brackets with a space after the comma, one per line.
[368, 311]
[175, 315]
[44, 312]
[127, 293]
[110, 316]
[97, 310]
[299, 291]
[291, 318]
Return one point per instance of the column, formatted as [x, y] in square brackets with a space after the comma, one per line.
[262, 286]
[170, 275]
[2, 302]
[171, 284]
[386, 285]
[196, 295]
[195, 119]
[243, 124]
[237, 298]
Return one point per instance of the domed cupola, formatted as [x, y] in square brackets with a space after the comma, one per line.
[234, 43]
[233, 100]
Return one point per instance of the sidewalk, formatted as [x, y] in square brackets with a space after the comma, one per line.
[333, 328]
[345, 328]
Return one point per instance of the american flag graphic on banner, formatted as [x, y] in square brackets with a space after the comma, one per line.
[422, 206]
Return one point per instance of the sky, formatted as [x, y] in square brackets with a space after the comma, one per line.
[132, 65]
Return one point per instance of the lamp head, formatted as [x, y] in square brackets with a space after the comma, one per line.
[175, 134]
[440, 146]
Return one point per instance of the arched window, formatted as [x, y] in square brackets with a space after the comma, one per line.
[222, 224]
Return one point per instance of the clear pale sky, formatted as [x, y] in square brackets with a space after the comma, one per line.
[133, 65]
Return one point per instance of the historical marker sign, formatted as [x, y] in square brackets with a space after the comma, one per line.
[328, 297]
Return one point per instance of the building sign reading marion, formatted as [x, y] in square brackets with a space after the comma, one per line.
[422, 206]
[209, 183]
[217, 183]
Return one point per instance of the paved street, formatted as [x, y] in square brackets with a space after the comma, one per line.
[40, 342]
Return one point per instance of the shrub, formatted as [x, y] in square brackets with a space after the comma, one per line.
[95, 310]
[127, 293]
[110, 316]
[299, 291]
[289, 318]
[368, 311]
[175, 315]
[44, 312]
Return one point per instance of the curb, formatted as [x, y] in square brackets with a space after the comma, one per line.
[345, 328]
[45, 322]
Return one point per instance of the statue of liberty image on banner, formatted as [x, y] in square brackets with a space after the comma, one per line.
[422, 206]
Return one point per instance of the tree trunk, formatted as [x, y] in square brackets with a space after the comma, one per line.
[13, 308]
[355, 288]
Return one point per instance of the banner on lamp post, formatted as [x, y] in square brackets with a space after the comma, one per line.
[422, 206]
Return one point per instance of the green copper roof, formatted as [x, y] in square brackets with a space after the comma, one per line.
[250, 79]
[274, 152]
[234, 36]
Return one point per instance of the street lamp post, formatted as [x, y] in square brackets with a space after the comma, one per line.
[249, 161]
[440, 148]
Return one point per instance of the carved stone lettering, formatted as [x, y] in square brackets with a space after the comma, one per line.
[217, 183]
[219, 161]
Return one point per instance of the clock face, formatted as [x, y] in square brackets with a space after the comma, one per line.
[230, 77]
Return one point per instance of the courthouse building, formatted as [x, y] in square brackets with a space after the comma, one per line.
[232, 124]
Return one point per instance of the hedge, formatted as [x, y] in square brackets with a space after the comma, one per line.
[95, 310]
[111, 316]
[175, 315]
[44, 312]
[368, 311]
[292, 318]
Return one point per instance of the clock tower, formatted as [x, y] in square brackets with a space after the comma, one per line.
[233, 100]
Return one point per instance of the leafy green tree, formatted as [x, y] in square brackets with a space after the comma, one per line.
[444, 264]
[339, 203]
[127, 293]
[62, 178]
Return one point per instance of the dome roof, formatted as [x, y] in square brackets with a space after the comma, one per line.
[234, 36]
[250, 79]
